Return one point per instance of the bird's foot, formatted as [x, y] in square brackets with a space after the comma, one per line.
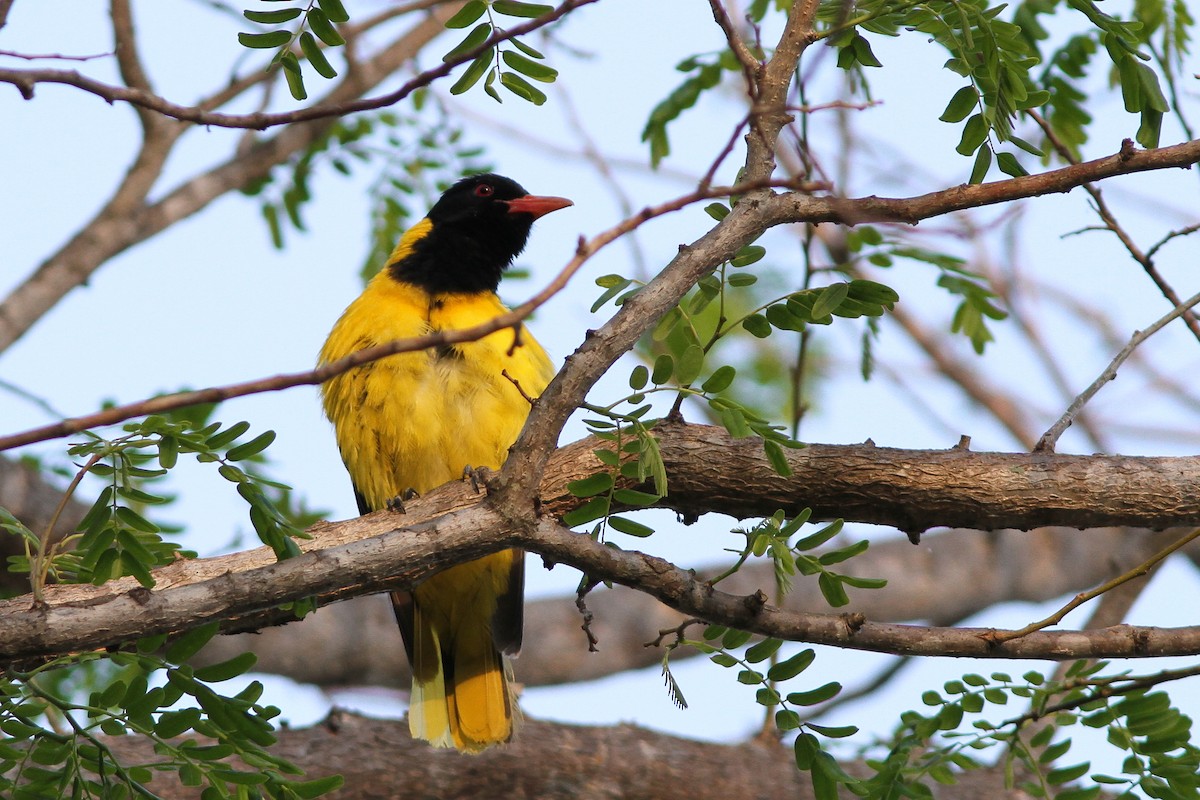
[396, 504]
[478, 476]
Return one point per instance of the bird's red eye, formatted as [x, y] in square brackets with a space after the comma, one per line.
[484, 190]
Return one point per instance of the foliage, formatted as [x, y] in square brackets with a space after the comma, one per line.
[56, 746]
[411, 156]
[1155, 738]
[511, 68]
[320, 21]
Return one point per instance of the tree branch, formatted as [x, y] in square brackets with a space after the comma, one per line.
[451, 525]
[27, 80]
[924, 583]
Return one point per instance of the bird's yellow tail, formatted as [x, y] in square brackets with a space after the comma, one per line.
[461, 693]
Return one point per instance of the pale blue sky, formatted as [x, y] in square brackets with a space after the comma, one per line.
[210, 302]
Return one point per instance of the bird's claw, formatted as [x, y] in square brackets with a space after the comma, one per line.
[396, 503]
[478, 476]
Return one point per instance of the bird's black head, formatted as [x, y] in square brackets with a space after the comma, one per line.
[475, 231]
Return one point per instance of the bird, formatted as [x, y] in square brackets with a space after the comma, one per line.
[412, 421]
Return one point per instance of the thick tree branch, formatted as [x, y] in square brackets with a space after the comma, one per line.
[924, 583]
[451, 525]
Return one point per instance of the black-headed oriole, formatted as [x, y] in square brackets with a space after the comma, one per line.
[413, 421]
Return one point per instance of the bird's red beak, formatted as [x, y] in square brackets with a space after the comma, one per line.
[537, 206]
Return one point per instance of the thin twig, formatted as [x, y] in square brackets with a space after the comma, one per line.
[1083, 597]
[26, 80]
[1111, 224]
[1124, 685]
[1050, 437]
[52, 56]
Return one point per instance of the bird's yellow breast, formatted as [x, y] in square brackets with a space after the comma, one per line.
[415, 420]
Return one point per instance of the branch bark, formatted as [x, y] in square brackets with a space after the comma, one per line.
[924, 583]
[451, 525]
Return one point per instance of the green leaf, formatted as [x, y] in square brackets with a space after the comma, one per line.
[1009, 165]
[974, 134]
[748, 255]
[470, 12]
[763, 650]
[252, 447]
[137, 522]
[591, 485]
[791, 667]
[735, 638]
[723, 659]
[334, 10]
[766, 696]
[639, 377]
[734, 421]
[844, 553]
[862, 52]
[227, 436]
[864, 583]
[306, 790]
[815, 696]
[691, 362]
[983, 162]
[820, 537]
[1068, 774]
[829, 299]
[838, 732]
[592, 510]
[720, 380]
[749, 677]
[1054, 751]
[512, 8]
[323, 28]
[312, 51]
[272, 17]
[630, 527]
[188, 644]
[230, 668]
[265, 41]
[717, 211]
[664, 369]
[175, 723]
[964, 101]
[757, 325]
[832, 590]
[806, 749]
[473, 72]
[522, 88]
[478, 35]
[787, 720]
[529, 67]
[776, 456]
[632, 497]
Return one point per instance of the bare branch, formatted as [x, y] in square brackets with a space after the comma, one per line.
[1050, 437]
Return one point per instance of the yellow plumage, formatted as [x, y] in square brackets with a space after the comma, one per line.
[414, 421]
